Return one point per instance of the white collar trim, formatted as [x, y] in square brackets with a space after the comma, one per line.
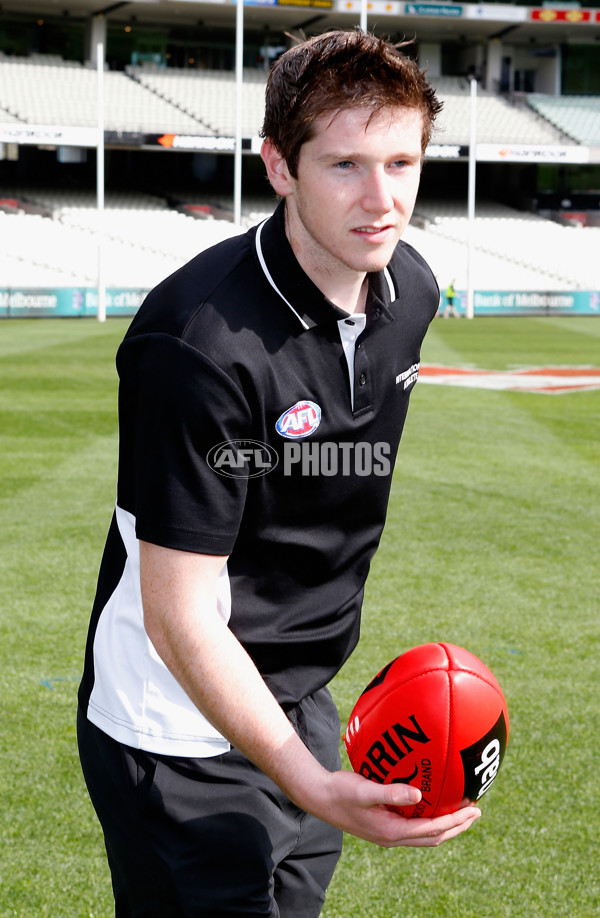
[269, 277]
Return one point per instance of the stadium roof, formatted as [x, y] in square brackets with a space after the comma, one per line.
[429, 20]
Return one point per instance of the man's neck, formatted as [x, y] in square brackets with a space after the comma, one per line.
[345, 287]
[348, 294]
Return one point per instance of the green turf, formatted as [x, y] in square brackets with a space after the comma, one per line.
[492, 542]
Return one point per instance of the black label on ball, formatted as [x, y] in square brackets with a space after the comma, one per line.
[482, 760]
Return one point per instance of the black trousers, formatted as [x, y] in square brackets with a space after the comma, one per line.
[211, 837]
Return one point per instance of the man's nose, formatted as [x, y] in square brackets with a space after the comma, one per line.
[377, 196]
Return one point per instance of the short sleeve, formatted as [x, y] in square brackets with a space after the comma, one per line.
[175, 405]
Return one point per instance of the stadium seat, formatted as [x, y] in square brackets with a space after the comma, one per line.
[576, 116]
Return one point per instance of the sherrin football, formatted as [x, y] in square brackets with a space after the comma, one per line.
[436, 718]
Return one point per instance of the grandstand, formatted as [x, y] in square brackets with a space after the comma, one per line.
[577, 117]
[528, 143]
[156, 100]
[64, 92]
[519, 250]
[145, 239]
[498, 119]
[209, 95]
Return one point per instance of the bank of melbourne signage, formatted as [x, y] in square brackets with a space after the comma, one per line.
[40, 302]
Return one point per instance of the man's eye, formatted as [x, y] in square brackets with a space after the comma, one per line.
[344, 164]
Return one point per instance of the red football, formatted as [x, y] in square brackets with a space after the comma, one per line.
[434, 717]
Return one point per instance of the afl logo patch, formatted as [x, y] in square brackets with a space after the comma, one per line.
[301, 420]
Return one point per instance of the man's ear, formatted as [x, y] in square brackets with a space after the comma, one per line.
[277, 170]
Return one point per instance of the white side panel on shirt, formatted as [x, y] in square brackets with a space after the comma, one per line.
[135, 698]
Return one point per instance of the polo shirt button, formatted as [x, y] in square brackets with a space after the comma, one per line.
[362, 379]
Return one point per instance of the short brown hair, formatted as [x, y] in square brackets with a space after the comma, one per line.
[335, 70]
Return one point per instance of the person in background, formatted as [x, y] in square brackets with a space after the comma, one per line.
[451, 295]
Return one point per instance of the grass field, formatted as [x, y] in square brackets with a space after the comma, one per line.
[492, 542]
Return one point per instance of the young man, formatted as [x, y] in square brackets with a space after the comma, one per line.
[263, 391]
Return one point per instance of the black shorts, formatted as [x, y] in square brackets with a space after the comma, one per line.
[211, 837]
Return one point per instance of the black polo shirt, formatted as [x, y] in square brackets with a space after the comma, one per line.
[254, 423]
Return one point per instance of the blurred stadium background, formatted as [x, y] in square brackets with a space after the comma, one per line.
[169, 136]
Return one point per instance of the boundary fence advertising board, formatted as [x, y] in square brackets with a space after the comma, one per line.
[71, 302]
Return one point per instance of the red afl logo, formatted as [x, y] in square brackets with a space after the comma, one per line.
[299, 421]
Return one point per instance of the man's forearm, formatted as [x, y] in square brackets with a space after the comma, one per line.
[181, 619]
